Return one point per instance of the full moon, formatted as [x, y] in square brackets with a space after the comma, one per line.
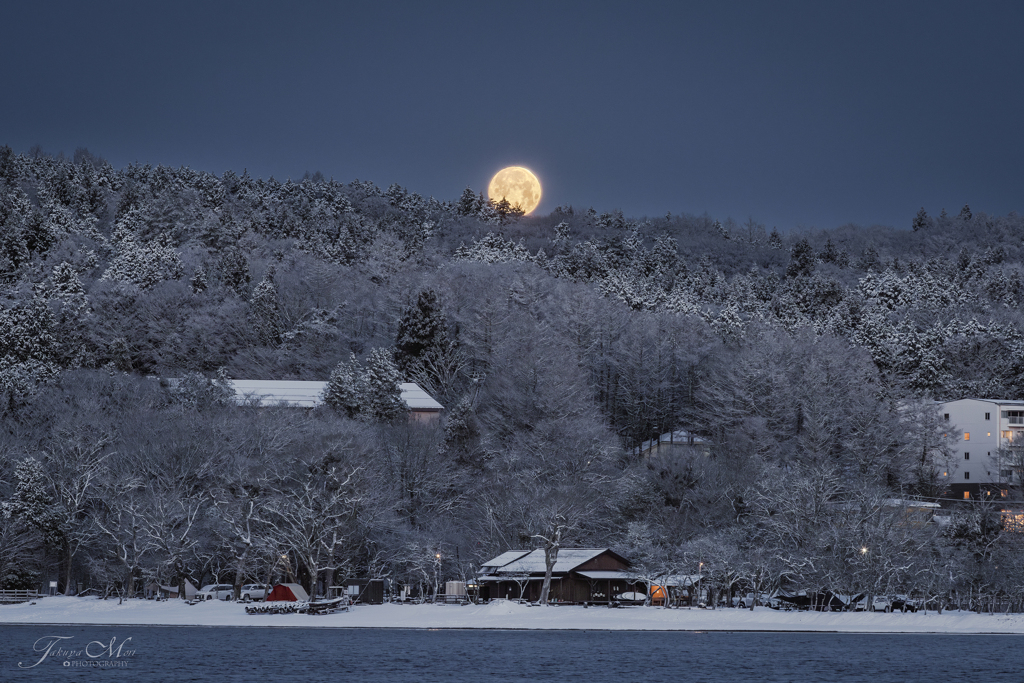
[516, 184]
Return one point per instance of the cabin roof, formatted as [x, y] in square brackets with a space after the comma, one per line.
[532, 562]
[271, 392]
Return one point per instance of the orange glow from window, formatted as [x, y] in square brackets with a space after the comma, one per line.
[967, 495]
[1013, 520]
[967, 436]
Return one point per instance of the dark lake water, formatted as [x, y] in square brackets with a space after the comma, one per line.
[293, 654]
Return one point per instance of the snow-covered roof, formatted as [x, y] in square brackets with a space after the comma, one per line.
[568, 559]
[505, 558]
[276, 392]
[269, 392]
[900, 502]
[417, 399]
[999, 401]
[603, 574]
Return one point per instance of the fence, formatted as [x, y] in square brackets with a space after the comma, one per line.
[12, 596]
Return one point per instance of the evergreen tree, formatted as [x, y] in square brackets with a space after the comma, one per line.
[383, 395]
[144, 264]
[264, 312]
[801, 261]
[467, 205]
[198, 283]
[965, 213]
[921, 220]
[829, 254]
[234, 270]
[775, 239]
[421, 331]
[345, 390]
[15, 211]
[32, 501]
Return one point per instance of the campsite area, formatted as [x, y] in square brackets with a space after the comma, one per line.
[503, 614]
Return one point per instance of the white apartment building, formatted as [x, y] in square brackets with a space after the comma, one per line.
[989, 429]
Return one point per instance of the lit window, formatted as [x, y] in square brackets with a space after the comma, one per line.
[1008, 435]
[1003, 493]
[967, 456]
[945, 474]
[967, 436]
[967, 494]
[989, 434]
[967, 475]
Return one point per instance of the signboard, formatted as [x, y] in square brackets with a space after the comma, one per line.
[53, 584]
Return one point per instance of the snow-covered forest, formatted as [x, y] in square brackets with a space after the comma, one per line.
[805, 363]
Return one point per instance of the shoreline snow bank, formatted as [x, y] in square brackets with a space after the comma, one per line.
[502, 615]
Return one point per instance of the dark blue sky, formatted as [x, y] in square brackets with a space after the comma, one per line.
[806, 115]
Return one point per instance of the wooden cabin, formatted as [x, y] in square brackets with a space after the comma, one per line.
[593, 575]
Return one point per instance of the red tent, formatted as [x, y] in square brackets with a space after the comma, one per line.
[290, 592]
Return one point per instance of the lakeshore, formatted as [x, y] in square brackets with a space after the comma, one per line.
[503, 615]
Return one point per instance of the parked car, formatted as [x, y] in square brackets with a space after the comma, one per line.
[905, 604]
[746, 600]
[216, 591]
[881, 603]
[254, 591]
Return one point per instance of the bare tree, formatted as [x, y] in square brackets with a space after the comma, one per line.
[77, 467]
[312, 512]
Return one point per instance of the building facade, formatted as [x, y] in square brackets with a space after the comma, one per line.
[990, 438]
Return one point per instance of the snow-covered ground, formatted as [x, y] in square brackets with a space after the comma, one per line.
[503, 615]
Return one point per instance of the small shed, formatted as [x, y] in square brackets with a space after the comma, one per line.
[288, 592]
[364, 591]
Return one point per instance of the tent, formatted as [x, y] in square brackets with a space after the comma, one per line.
[153, 589]
[290, 592]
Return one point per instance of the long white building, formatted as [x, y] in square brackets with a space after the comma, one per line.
[989, 430]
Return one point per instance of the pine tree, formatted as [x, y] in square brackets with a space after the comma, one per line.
[144, 264]
[345, 390]
[198, 283]
[32, 501]
[383, 395]
[264, 313]
[775, 239]
[234, 270]
[467, 205]
[921, 220]
[801, 261]
[965, 213]
[829, 254]
[421, 331]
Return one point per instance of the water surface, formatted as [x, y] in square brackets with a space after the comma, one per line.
[153, 653]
